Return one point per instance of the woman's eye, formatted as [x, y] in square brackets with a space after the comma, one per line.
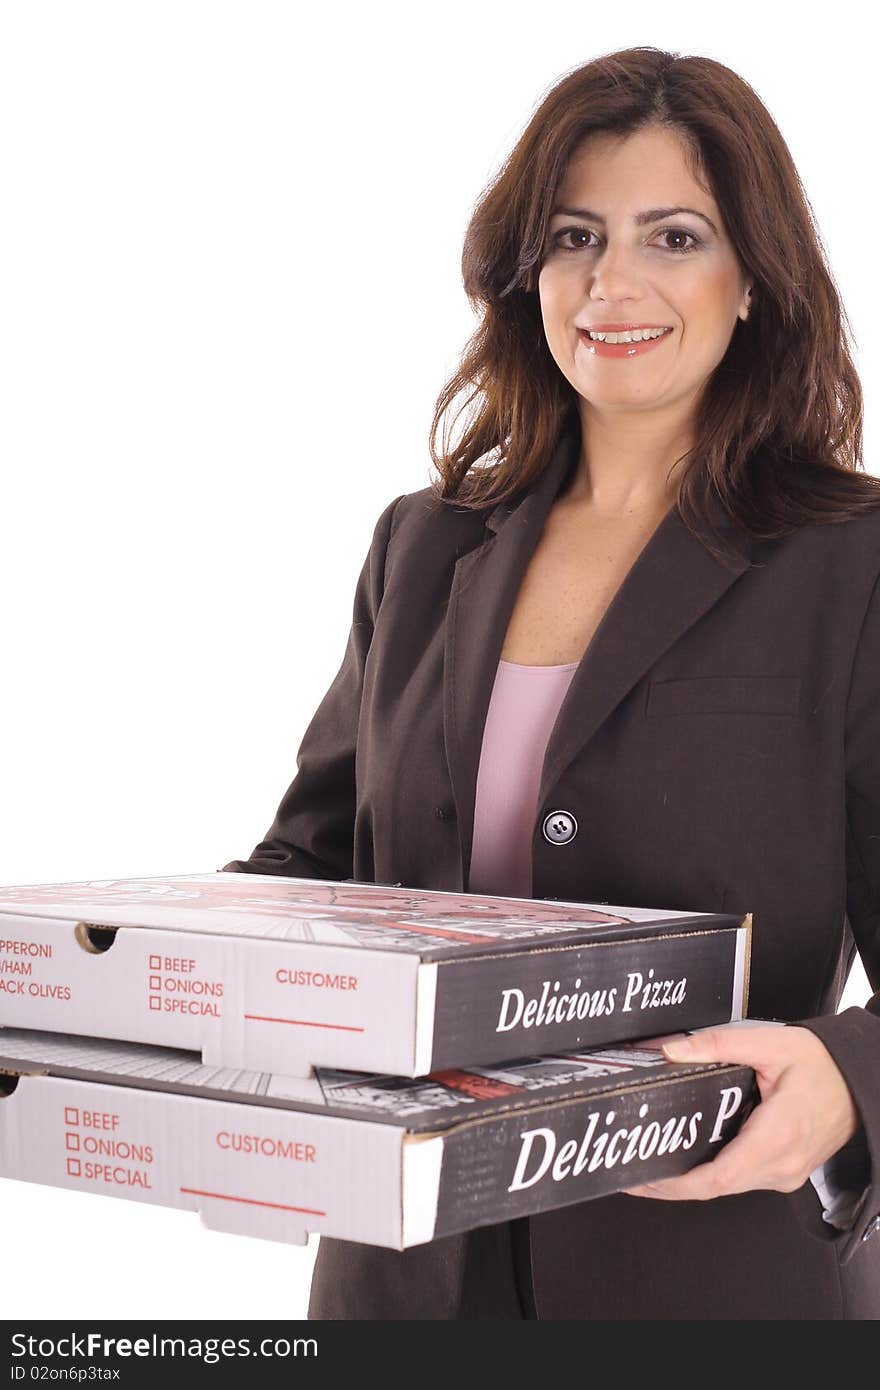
[576, 232]
[681, 233]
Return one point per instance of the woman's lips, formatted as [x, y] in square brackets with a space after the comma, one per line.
[622, 349]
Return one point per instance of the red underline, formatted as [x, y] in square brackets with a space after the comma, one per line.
[251, 1201]
[306, 1023]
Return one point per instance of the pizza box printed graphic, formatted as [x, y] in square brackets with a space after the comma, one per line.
[390, 1161]
[280, 974]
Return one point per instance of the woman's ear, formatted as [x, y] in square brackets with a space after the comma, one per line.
[746, 305]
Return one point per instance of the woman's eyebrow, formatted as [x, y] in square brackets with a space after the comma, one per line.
[640, 218]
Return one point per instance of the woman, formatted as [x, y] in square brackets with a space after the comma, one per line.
[636, 659]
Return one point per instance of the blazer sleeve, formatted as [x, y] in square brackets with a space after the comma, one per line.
[312, 835]
[853, 1036]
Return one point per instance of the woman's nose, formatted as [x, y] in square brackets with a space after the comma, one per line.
[613, 276]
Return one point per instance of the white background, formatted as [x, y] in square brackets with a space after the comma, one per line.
[230, 295]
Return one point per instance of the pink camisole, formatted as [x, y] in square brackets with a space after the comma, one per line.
[522, 711]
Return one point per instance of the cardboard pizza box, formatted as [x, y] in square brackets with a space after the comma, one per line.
[282, 974]
[384, 1160]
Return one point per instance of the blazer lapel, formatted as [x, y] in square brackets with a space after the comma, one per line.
[672, 584]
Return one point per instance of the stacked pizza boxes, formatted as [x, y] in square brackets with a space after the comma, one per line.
[381, 1064]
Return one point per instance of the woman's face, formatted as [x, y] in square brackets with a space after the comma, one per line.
[604, 264]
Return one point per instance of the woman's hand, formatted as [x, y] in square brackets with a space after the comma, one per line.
[806, 1114]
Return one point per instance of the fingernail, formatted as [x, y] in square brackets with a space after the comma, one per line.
[680, 1050]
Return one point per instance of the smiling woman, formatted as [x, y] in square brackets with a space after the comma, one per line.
[629, 659]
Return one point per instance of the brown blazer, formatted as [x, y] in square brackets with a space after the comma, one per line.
[719, 748]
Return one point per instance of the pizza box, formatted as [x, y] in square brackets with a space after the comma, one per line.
[280, 974]
[390, 1161]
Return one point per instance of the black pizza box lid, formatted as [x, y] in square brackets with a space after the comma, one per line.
[424, 1105]
[430, 924]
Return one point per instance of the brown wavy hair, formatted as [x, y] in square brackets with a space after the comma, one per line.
[779, 425]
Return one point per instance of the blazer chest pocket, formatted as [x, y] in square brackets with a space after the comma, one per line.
[725, 695]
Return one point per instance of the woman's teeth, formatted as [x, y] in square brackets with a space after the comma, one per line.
[636, 336]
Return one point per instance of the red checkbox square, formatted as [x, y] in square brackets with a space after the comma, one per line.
[155, 1001]
[72, 1141]
[155, 982]
[155, 962]
[74, 1167]
[71, 1115]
